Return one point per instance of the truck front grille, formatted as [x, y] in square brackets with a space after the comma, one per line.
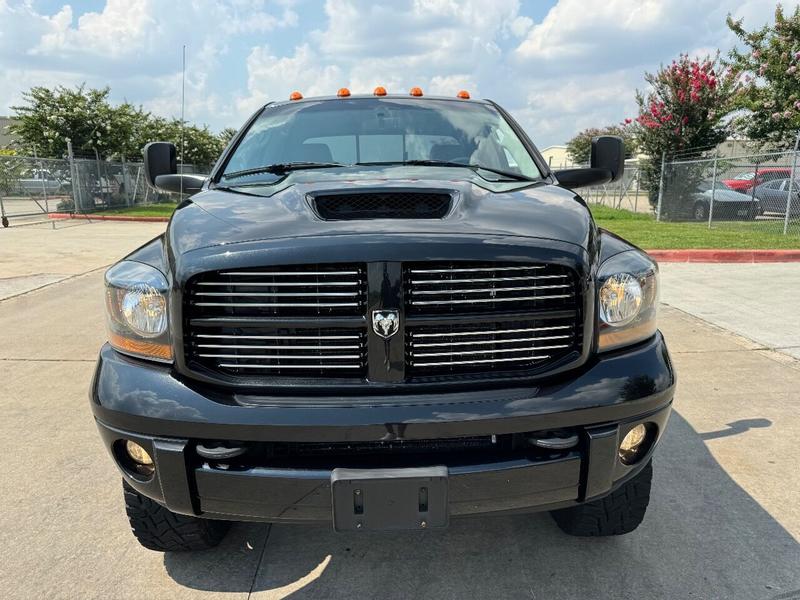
[297, 290]
[487, 347]
[460, 287]
[270, 352]
[459, 321]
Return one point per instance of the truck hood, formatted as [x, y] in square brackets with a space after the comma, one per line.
[281, 210]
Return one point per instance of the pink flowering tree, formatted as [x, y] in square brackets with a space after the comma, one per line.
[682, 112]
[769, 71]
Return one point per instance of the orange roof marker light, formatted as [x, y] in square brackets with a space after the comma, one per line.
[295, 96]
[463, 94]
[343, 93]
[415, 91]
[379, 91]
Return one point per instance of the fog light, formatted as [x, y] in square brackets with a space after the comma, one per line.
[138, 454]
[632, 443]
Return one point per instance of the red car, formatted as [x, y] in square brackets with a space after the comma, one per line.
[746, 181]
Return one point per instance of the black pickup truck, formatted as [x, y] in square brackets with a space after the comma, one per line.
[381, 312]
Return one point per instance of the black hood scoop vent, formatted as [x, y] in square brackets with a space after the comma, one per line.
[382, 205]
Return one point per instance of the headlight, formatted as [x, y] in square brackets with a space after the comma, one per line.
[627, 297]
[136, 299]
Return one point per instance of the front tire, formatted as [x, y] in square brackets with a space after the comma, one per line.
[616, 514]
[157, 528]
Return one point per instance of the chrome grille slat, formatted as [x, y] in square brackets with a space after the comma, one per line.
[279, 283]
[479, 362]
[309, 367]
[483, 290]
[494, 341]
[286, 273]
[279, 304]
[275, 294]
[255, 347]
[489, 351]
[490, 332]
[284, 356]
[279, 337]
[473, 269]
[484, 300]
[483, 280]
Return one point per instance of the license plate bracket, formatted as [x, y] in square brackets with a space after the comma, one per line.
[389, 499]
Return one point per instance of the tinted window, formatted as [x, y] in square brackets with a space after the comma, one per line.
[367, 130]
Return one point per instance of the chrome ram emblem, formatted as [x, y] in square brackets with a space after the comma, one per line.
[385, 322]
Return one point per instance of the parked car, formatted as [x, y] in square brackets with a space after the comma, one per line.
[39, 183]
[729, 205]
[746, 181]
[774, 196]
[379, 312]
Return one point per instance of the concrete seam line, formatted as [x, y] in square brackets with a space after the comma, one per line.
[260, 560]
[67, 278]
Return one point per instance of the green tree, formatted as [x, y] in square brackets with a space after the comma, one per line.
[226, 135]
[579, 147]
[51, 117]
[201, 146]
[769, 68]
[683, 111]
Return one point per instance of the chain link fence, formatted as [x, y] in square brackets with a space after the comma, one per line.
[757, 192]
[35, 189]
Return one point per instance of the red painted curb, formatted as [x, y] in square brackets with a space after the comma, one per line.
[711, 255]
[97, 217]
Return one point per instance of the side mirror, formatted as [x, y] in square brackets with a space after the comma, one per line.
[161, 170]
[160, 158]
[607, 164]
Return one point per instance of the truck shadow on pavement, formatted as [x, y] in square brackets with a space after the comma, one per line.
[703, 537]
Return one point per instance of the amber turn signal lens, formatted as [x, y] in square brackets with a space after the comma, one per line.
[379, 91]
[141, 348]
[343, 92]
[295, 96]
[463, 94]
[415, 91]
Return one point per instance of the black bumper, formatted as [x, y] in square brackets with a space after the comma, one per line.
[167, 415]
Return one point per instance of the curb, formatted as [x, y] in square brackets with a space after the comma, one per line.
[98, 217]
[700, 255]
[724, 256]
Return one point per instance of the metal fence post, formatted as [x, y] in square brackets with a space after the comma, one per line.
[661, 186]
[792, 179]
[713, 188]
[636, 197]
[73, 173]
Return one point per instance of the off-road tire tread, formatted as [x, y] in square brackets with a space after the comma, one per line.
[616, 514]
[160, 529]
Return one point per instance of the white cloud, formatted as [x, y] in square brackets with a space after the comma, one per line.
[576, 67]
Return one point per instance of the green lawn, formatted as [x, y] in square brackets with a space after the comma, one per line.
[147, 210]
[640, 229]
[644, 231]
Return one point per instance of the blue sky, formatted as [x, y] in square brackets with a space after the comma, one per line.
[558, 65]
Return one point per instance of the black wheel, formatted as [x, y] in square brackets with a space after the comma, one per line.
[700, 211]
[162, 530]
[618, 513]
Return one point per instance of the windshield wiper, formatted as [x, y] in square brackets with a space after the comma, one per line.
[447, 163]
[281, 168]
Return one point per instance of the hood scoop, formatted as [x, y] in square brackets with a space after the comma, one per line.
[382, 205]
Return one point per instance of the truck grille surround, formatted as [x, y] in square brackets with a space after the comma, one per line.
[461, 321]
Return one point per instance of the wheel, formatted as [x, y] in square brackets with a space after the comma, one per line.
[700, 211]
[618, 513]
[162, 530]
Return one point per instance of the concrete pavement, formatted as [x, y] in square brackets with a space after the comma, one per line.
[724, 521]
[758, 301]
[38, 255]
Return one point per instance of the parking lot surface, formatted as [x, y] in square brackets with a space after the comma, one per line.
[724, 521]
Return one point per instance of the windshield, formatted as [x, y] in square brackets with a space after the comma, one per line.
[372, 130]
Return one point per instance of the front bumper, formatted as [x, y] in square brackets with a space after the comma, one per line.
[168, 415]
